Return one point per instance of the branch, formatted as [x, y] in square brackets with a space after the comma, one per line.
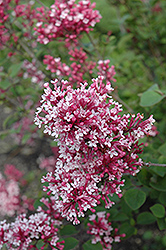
[149, 164]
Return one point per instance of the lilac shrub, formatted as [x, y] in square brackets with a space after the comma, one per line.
[97, 144]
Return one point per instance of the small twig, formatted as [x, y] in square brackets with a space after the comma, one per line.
[149, 164]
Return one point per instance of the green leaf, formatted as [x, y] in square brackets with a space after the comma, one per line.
[162, 159]
[5, 84]
[158, 210]
[127, 229]
[113, 212]
[120, 217]
[161, 223]
[159, 184]
[135, 198]
[144, 176]
[145, 218]
[68, 230]
[158, 170]
[89, 246]
[14, 69]
[149, 98]
[39, 244]
[37, 203]
[125, 208]
[162, 198]
[162, 149]
[25, 138]
[70, 243]
[154, 87]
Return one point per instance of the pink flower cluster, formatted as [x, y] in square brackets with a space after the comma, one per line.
[102, 230]
[10, 197]
[79, 67]
[153, 132]
[23, 233]
[106, 71]
[97, 145]
[47, 163]
[65, 19]
[31, 71]
[76, 71]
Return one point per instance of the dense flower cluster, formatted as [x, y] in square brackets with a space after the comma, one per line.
[24, 232]
[97, 145]
[102, 230]
[11, 200]
[65, 19]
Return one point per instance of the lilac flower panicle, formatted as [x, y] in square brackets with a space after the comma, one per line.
[97, 145]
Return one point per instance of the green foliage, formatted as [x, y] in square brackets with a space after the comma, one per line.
[14, 69]
[159, 183]
[162, 149]
[161, 223]
[135, 198]
[127, 229]
[152, 96]
[158, 210]
[68, 230]
[70, 243]
[39, 244]
[145, 218]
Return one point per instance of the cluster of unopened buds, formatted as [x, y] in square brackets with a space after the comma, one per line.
[97, 145]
